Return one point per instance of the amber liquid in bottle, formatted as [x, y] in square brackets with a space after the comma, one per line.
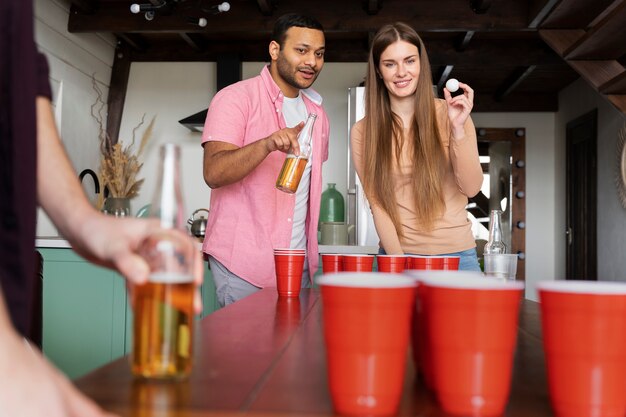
[291, 173]
[293, 167]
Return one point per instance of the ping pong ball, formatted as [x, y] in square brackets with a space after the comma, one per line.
[452, 85]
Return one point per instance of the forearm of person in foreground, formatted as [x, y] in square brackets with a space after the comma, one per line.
[30, 386]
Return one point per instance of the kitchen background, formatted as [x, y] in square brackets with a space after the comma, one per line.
[172, 91]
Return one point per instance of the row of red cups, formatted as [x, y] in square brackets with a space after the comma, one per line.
[463, 329]
[333, 262]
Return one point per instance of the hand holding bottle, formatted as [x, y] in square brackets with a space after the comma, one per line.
[296, 160]
[285, 140]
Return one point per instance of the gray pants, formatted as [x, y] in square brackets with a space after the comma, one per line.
[230, 288]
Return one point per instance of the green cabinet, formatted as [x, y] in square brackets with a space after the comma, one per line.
[87, 321]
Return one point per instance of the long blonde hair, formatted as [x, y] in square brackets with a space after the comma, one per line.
[384, 132]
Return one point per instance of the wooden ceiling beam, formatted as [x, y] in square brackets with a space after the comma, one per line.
[605, 40]
[619, 101]
[440, 52]
[616, 85]
[480, 6]
[464, 40]
[86, 6]
[539, 10]
[335, 16]
[598, 73]
[513, 81]
[373, 6]
[265, 6]
[134, 40]
[117, 90]
[561, 39]
[573, 14]
[195, 40]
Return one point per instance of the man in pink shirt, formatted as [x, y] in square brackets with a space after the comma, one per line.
[250, 126]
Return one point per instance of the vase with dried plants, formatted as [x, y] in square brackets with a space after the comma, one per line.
[119, 164]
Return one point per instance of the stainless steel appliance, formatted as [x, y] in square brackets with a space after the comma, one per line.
[358, 211]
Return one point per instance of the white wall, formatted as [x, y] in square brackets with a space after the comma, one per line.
[574, 101]
[73, 58]
[171, 91]
[540, 189]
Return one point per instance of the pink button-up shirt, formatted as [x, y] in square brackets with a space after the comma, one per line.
[249, 218]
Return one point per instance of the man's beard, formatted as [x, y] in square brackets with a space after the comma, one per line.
[284, 70]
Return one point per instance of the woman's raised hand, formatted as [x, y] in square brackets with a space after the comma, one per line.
[459, 109]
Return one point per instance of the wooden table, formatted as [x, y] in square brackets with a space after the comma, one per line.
[264, 355]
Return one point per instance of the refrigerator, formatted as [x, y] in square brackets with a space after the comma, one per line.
[358, 215]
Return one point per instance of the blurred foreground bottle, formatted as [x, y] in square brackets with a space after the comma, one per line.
[495, 244]
[293, 167]
[332, 205]
[163, 307]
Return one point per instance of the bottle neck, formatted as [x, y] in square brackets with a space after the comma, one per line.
[306, 135]
[495, 227]
[168, 202]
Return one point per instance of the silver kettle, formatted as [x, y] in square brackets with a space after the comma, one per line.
[198, 225]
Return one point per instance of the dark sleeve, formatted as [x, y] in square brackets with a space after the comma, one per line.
[43, 82]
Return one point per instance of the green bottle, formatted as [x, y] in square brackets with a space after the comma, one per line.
[332, 205]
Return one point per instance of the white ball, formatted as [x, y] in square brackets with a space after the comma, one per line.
[452, 85]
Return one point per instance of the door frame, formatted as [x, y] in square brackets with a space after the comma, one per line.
[592, 202]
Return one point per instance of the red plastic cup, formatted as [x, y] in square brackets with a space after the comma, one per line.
[471, 332]
[425, 262]
[451, 263]
[419, 329]
[358, 263]
[332, 262]
[366, 330]
[584, 342]
[289, 269]
[391, 263]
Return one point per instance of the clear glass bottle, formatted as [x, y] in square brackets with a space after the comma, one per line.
[293, 167]
[495, 244]
[163, 307]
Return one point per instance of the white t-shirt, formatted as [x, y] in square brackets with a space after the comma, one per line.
[294, 112]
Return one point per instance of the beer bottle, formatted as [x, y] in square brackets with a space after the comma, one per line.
[163, 307]
[495, 244]
[293, 167]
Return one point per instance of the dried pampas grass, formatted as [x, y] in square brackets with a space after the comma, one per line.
[119, 164]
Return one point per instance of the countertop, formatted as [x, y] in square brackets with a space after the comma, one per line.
[58, 242]
[52, 242]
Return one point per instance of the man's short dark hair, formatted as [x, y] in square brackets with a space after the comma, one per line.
[290, 20]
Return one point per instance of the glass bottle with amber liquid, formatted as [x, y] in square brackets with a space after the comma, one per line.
[163, 307]
[293, 167]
